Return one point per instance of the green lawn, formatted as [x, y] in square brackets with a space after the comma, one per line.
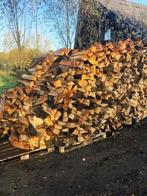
[7, 81]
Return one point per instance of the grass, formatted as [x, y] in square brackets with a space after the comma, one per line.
[7, 81]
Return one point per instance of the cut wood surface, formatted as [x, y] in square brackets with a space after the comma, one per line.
[74, 95]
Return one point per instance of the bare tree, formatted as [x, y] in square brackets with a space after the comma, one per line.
[18, 24]
[36, 11]
[18, 20]
[62, 17]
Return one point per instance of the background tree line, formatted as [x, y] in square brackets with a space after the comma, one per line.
[29, 28]
[32, 27]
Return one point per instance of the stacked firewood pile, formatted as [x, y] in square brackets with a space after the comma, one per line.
[73, 95]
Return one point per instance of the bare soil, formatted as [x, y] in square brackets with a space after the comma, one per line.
[116, 166]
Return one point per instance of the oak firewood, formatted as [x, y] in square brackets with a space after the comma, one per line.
[28, 77]
[36, 122]
[65, 117]
[27, 83]
[48, 121]
[57, 83]
[73, 95]
[65, 130]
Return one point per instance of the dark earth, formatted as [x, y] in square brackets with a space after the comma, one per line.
[116, 166]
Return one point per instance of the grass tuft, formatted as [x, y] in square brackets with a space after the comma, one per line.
[7, 81]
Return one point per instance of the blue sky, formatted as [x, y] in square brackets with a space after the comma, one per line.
[140, 1]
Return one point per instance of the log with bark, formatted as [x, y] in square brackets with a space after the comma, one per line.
[74, 95]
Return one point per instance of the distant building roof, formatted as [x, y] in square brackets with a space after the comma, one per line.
[135, 11]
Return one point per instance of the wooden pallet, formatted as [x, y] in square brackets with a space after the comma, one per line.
[9, 153]
[77, 145]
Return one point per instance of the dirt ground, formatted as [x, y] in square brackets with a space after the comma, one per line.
[116, 166]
